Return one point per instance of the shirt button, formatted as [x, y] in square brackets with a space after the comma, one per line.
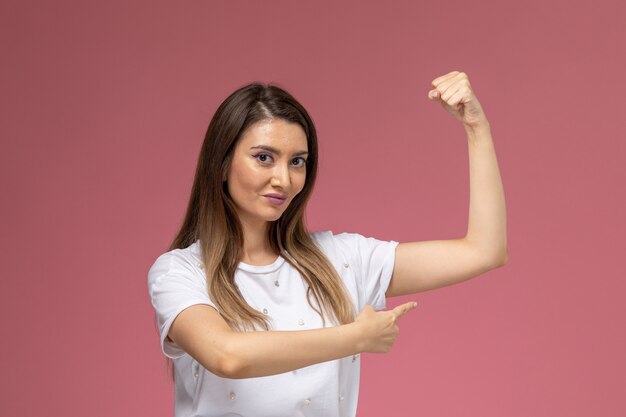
[307, 401]
[232, 396]
[341, 398]
[195, 374]
[200, 265]
[354, 357]
[265, 311]
[276, 283]
[301, 322]
[345, 264]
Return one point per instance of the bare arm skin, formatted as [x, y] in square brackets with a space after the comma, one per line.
[426, 265]
[201, 332]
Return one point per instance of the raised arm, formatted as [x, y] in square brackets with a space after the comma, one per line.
[202, 332]
[426, 265]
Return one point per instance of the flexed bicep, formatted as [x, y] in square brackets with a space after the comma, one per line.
[422, 266]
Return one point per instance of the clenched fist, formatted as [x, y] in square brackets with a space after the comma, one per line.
[455, 94]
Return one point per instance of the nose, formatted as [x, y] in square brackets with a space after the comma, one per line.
[281, 176]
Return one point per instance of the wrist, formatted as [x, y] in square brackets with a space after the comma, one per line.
[477, 130]
[355, 336]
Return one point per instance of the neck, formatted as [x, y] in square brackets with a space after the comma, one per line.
[256, 246]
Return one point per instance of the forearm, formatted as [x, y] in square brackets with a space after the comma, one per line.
[262, 353]
[487, 212]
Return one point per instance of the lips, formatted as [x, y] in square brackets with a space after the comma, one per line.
[276, 199]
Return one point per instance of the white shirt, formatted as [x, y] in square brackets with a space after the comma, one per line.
[177, 281]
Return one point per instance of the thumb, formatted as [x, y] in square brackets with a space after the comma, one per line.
[434, 94]
[402, 309]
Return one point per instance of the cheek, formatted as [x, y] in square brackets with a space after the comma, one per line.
[241, 178]
[240, 191]
[301, 180]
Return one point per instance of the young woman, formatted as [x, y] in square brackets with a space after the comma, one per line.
[262, 317]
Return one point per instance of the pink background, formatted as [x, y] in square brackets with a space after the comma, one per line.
[104, 108]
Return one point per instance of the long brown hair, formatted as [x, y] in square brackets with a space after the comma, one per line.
[211, 215]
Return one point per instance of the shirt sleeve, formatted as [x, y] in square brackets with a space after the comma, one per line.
[174, 284]
[372, 261]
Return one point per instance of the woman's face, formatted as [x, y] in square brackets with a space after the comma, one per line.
[267, 170]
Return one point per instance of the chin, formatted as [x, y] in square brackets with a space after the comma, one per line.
[274, 217]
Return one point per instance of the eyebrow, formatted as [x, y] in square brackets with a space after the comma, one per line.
[276, 151]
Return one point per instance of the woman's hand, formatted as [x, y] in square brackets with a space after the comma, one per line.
[455, 94]
[378, 328]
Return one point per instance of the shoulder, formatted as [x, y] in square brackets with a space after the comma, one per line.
[343, 245]
[345, 241]
[177, 261]
[355, 248]
[328, 241]
[328, 236]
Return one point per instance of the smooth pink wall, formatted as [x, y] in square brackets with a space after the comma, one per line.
[104, 106]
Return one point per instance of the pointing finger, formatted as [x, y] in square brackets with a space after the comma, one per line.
[402, 309]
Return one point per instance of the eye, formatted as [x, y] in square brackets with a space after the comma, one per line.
[298, 162]
[263, 158]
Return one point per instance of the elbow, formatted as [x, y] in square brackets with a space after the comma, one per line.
[233, 362]
[500, 259]
[229, 366]
[505, 258]
[491, 257]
